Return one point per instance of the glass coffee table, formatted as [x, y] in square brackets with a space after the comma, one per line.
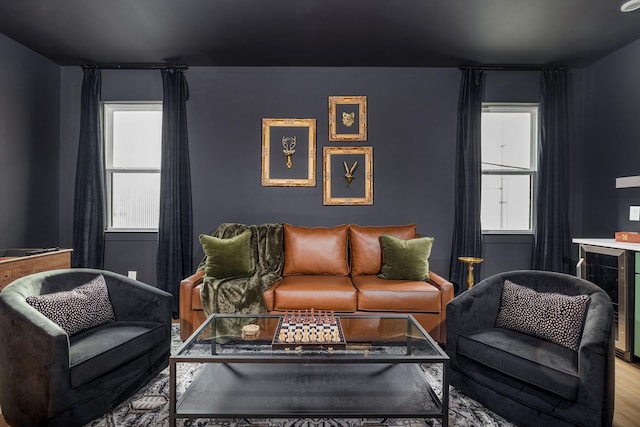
[310, 365]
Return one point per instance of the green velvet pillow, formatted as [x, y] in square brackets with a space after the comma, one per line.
[228, 257]
[405, 259]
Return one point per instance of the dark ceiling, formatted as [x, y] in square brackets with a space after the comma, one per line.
[421, 33]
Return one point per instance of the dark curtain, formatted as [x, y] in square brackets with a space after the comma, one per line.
[175, 225]
[552, 245]
[89, 197]
[467, 231]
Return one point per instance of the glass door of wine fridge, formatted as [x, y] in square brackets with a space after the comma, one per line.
[609, 269]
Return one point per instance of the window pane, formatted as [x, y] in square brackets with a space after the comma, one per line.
[506, 202]
[506, 140]
[137, 137]
[135, 200]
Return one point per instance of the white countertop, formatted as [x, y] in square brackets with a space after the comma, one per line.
[609, 243]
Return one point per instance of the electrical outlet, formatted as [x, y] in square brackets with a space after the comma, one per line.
[634, 213]
[132, 274]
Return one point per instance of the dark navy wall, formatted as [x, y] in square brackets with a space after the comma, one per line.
[412, 121]
[29, 147]
[412, 114]
[612, 141]
[411, 127]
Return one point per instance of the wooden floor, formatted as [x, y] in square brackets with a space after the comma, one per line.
[627, 404]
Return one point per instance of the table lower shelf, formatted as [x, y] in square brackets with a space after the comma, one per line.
[263, 390]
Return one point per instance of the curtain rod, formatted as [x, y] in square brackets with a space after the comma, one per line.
[136, 66]
[511, 67]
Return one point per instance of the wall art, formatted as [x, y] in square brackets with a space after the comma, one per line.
[348, 176]
[289, 152]
[347, 118]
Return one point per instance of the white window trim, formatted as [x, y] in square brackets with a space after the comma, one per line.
[108, 109]
[534, 110]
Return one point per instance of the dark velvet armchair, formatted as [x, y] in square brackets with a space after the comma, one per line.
[50, 378]
[526, 379]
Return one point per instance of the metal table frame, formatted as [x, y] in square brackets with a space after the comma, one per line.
[225, 374]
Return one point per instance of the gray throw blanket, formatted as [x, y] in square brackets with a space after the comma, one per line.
[244, 295]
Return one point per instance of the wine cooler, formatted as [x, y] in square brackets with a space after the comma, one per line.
[612, 270]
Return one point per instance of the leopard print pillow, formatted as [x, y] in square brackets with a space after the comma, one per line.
[554, 317]
[81, 308]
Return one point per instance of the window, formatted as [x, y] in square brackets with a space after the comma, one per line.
[509, 156]
[133, 140]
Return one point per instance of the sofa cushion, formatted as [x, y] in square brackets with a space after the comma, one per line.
[315, 250]
[96, 351]
[228, 257]
[538, 362]
[78, 309]
[375, 294]
[405, 259]
[555, 317]
[366, 253]
[304, 292]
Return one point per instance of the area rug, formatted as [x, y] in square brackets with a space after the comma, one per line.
[150, 408]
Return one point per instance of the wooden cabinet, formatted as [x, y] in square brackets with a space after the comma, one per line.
[14, 267]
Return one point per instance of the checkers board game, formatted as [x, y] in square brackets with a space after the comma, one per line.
[309, 329]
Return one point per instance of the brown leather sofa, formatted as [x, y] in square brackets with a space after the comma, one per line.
[337, 269]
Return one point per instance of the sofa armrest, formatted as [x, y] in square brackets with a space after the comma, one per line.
[597, 327]
[192, 281]
[187, 286]
[35, 354]
[186, 289]
[446, 295]
[472, 310]
[137, 301]
[476, 308]
[445, 286]
[596, 357]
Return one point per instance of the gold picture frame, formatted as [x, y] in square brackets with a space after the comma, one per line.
[288, 152]
[347, 118]
[348, 176]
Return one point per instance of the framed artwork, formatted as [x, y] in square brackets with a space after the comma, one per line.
[348, 176]
[288, 152]
[347, 118]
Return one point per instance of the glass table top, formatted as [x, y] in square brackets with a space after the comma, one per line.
[309, 337]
